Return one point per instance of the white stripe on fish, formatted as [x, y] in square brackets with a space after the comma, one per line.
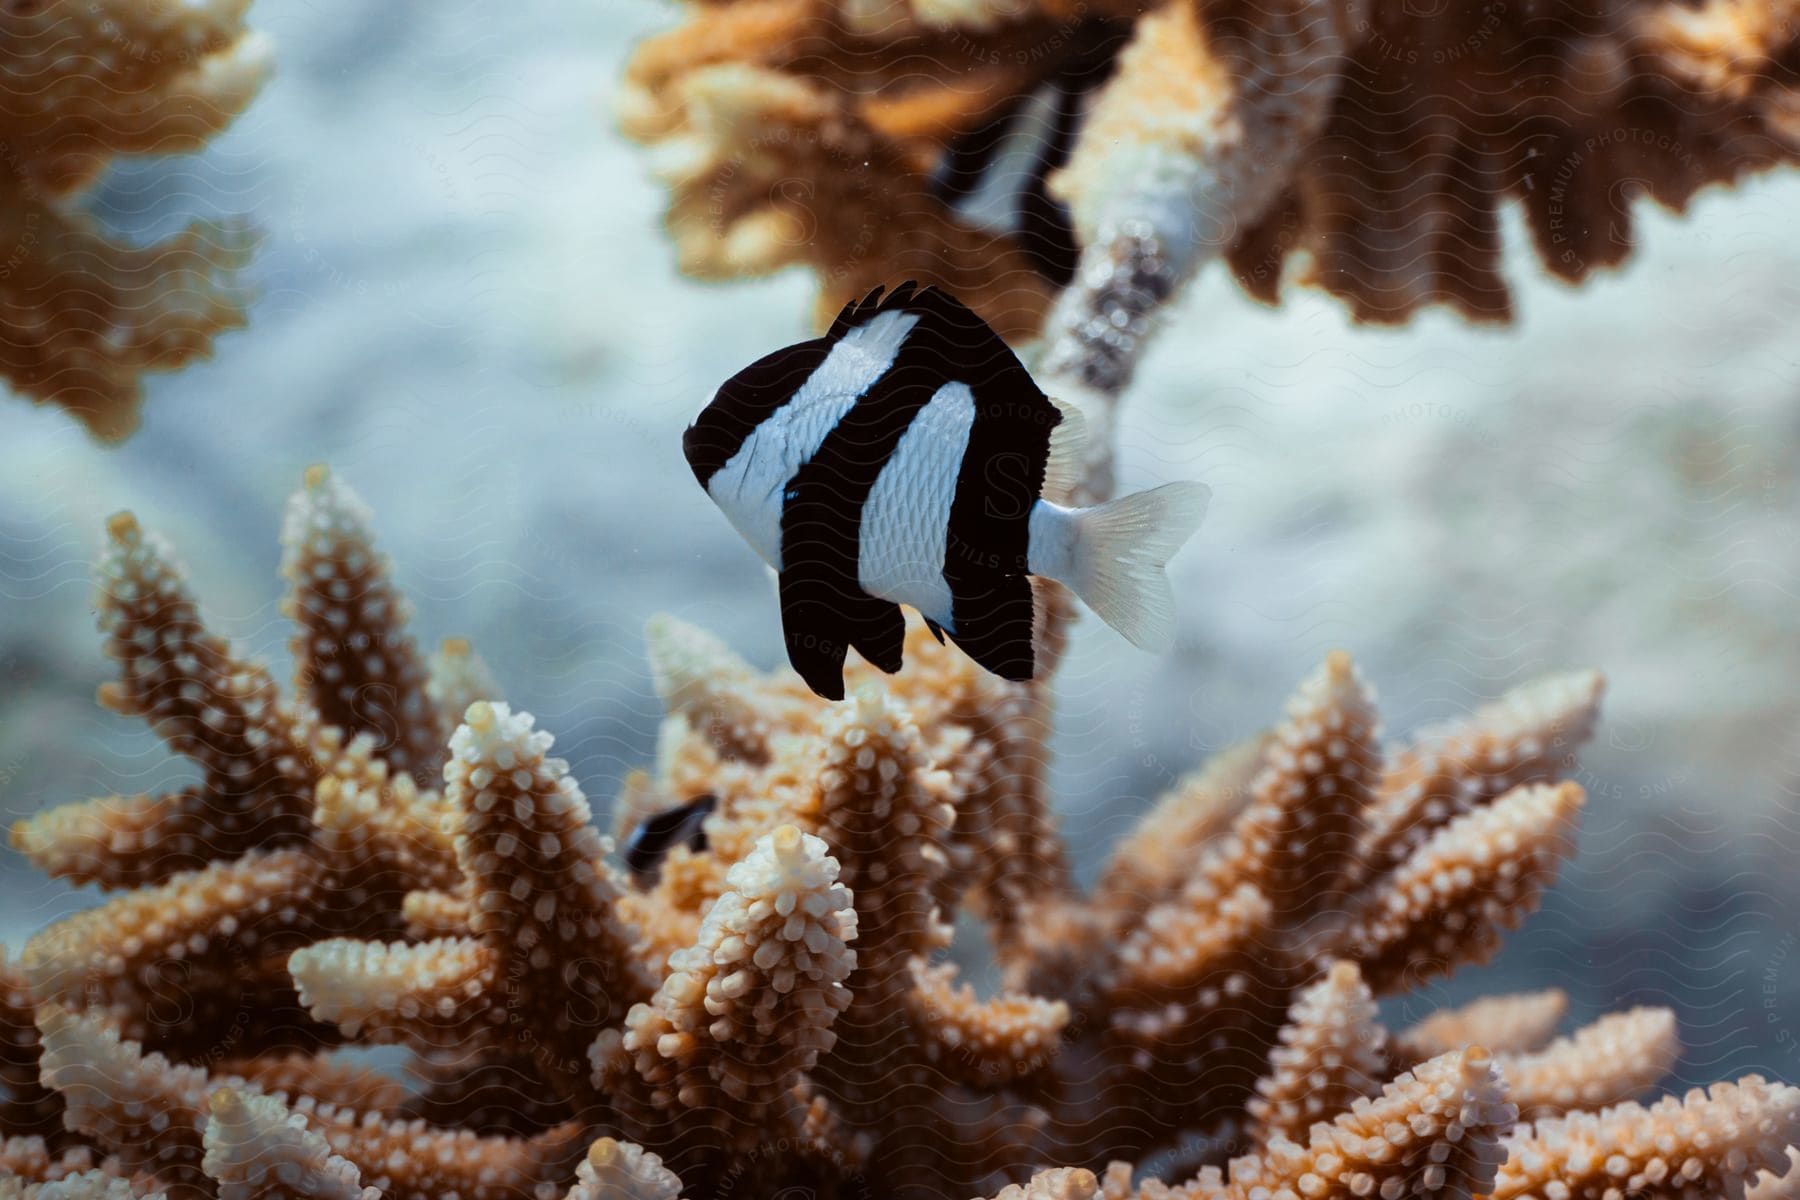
[906, 521]
[749, 487]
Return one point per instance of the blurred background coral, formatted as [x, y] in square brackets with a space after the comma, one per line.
[467, 305]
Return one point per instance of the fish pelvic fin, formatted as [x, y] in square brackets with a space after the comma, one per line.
[1120, 550]
[816, 633]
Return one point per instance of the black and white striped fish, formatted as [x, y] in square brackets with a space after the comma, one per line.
[907, 457]
[661, 832]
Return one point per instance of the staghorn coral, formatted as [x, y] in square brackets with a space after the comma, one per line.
[80, 84]
[773, 1011]
[1373, 141]
[295, 833]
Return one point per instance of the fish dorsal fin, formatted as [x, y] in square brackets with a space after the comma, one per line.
[966, 347]
[1062, 474]
[878, 301]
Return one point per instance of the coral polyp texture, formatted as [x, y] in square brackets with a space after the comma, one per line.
[83, 316]
[390, 854]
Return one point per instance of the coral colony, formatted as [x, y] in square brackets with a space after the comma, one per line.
[83, 316]
[389, 855]
[1371, 141]
[1378, 138]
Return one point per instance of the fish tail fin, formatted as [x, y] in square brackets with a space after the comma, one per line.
[1120, 550]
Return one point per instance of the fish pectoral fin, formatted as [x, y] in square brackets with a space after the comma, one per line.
[814, 626]
[880, 634]
[937, 631]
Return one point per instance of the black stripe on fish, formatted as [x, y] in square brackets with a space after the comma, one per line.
[1046, 233]
[824, 610]
[989, 538]
[661, 832]
[748, 399]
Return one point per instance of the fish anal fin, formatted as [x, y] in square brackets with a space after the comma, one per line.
[1047, 633]
[997, 622]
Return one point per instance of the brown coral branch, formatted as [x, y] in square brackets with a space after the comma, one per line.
[1449, 903]
[150, 1114]
[1435, 1130]
[538, 886]
[255, 1149]
[352, 653]
[1709, 1142]
[981, 1043]
[326, 1078]
[85, 315]
[28, 1109]
[1530, 735]
[210, 705]
[1515, 1023]
[616, 1170]
[709, 1065]
[1333, 1052]
[1299, 834]
[1617, 1058]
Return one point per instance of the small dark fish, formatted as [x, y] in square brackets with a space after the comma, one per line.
[661, 832]
[907, 457]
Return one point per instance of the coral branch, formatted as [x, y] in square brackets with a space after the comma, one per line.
[1450, 902]
[1708, 1143]
[1300, 832]
[86, 316]
[981, 1043]
[712, 1059]
[439, 993]
[1530, 735]
[1618, 1057]
[257, 1150]
[617, 1170]
[539, 886]
[1516, 1023]
[1332, 1053]
[1435, 1131]
[458, 678]
[209, 705]
[352, 653]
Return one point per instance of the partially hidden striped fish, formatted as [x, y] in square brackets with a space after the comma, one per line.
[907, 457]
[660, 832]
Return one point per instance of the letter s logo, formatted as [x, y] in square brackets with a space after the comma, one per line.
[1009, 487]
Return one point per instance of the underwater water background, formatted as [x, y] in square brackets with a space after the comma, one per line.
[468, 309]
